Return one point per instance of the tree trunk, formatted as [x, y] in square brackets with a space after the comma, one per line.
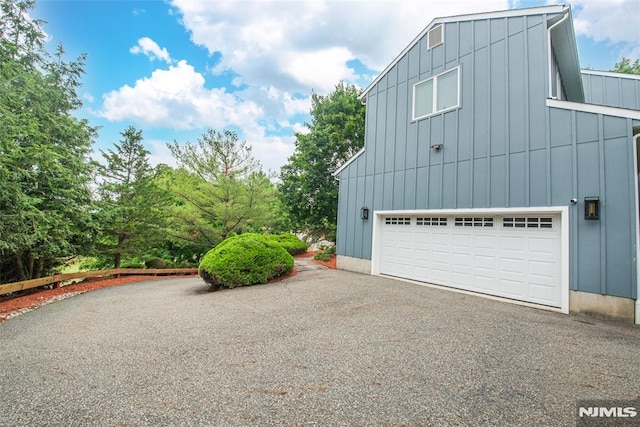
[19, 267]
[39, 268]
[116, 260]
[30, 263]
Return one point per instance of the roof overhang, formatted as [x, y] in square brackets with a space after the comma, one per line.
[563, 40]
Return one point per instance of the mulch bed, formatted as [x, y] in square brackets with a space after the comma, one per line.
[20, 302]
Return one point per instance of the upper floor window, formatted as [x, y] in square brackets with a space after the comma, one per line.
[436, 94]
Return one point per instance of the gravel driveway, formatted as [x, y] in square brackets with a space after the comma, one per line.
[324, 347]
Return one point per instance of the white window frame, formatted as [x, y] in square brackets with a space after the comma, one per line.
[435, 95]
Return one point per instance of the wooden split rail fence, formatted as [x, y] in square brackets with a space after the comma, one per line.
[59, 278]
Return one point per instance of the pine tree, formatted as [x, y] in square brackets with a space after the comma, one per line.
[131, 205]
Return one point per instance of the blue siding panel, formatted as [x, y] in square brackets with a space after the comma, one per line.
[398, 190]
[435, 187]
[517, 179]
[479, 184]
[409, 190]
[561, 175]
[498, 182]
[448, 185]
[390, 142]
[619, 242]
[612, 90]
[538, 178]
[422, 188]
[463, 181]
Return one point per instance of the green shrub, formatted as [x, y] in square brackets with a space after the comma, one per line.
[290, 243]
[243, 260]
[326, 254]
[323, 256]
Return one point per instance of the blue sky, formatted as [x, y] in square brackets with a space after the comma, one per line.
[178, 67]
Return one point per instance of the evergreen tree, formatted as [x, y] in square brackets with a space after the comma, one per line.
[131, 205]
[45, 169]
[221, 189]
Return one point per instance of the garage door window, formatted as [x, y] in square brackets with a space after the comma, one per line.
[474, 222]
[431, 221]
[394, 220]
[527, 222]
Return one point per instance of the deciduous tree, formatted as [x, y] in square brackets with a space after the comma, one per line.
[626, 66]
[336, 132]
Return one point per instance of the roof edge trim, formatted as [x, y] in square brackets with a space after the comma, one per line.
[594, 108]
[611, 74]
[348, 162]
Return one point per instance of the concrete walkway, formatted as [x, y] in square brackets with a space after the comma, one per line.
[323, 347]
[306, 264]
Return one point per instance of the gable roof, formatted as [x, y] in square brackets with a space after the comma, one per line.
[563, 43]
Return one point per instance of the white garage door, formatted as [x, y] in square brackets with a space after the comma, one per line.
[511, 256]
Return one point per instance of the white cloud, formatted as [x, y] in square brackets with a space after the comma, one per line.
[615, 21]
[159, 153]
[299, 45]
[151, 50]
[176, 98]
[611, 21]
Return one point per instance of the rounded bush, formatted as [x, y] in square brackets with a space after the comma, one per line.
[290, 243]
[243, 260]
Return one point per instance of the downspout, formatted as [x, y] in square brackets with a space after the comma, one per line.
[550, 48]
[636, 139]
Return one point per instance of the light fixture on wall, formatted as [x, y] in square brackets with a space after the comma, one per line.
[592, 208]
[364, 212]
[436, 146]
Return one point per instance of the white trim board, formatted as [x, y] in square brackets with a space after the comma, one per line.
[563, 211]
[611, 74]
[593, 108]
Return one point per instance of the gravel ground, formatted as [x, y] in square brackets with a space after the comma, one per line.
[324, 347]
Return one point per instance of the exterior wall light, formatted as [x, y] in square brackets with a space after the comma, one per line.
[436, 146]
[592, 208]
[364, 212]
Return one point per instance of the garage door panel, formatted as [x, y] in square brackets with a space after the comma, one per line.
[463, 280]
[542, 291]
[485, 242]
[440, 276]
[486, 262]
[541, 245]
[482, 255]
[512, 243]
[544, 270]
[486, 283]
[461, 240]
[511, 287]
[512, 265]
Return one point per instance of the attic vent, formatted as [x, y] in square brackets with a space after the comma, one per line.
[435, 37]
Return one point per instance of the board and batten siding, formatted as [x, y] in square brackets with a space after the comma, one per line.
[502, 148]
[611, 90]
